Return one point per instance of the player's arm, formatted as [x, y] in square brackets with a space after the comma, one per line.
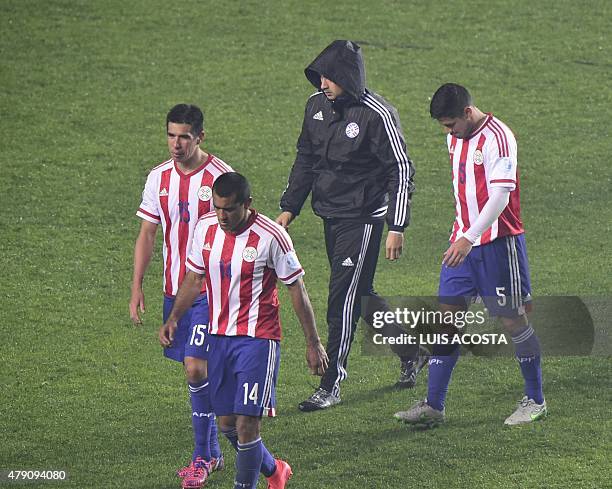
[143, 251]
[315, 353]
[390, 148]
[187, 293]
[300, 179]
[498, 200]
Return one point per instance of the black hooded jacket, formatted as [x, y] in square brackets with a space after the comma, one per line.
[351, 152]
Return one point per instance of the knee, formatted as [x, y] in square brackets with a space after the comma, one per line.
[226, 424]
[514, 325]
[248, 428]
[195, 369]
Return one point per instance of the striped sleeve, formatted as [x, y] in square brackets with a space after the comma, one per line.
[390, 148]
[282, 257]
[195, 260]
[501, 159]
[149, 210]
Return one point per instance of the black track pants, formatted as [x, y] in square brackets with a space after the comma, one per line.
[352, 250]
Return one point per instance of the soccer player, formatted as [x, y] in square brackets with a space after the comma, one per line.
[176, 194]
[351, 155]
[239, 254]
[487, 255]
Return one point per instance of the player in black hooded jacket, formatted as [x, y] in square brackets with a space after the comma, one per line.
[351, 155]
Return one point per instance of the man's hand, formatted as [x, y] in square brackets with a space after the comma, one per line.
[137, 302]
[166, 333]
[316, 358]
[186, 295]
[285, 218]
[456, 253]
[394, 245]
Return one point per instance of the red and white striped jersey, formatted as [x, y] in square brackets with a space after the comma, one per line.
[488, 158]
[177, 200]
[241, 271]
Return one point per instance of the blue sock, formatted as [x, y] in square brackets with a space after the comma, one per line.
[201, 418]
[232, 437]
[268, 465]
[215, 449]
[441, 365]
[248, 464]
[527, 349]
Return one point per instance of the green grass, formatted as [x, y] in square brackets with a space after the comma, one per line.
[85, 88]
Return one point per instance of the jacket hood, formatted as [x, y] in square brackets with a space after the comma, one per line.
[342, 63]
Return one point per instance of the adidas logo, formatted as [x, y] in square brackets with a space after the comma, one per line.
[206, 247]
[163, 192]
[318, 116]
[348, 262]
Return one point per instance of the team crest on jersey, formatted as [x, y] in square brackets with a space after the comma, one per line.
[478, 157]
[205, 193]
[352, 130]
[249, 254]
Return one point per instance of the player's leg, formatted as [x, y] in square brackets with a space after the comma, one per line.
[177, 352]
[200, 358]
[443, 360]
[202, 416]
[412, 357]
[528, 354]
[457, 285]
[206, 456]
[352, 257]
[197, 349]
[249, 455]
[506, 293]
[231, 369]
[257, 363]
[370, 301]
[196, 473]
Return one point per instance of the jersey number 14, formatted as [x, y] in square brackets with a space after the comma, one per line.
[250, 395]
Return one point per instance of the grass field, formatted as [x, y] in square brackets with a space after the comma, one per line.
[85, 89]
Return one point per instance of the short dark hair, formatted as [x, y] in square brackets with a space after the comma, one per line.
[450, 100]
[187, 114]
[233, 183]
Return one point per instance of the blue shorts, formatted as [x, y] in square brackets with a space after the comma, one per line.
[242, 375]
[498, 272]
[189, 338]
